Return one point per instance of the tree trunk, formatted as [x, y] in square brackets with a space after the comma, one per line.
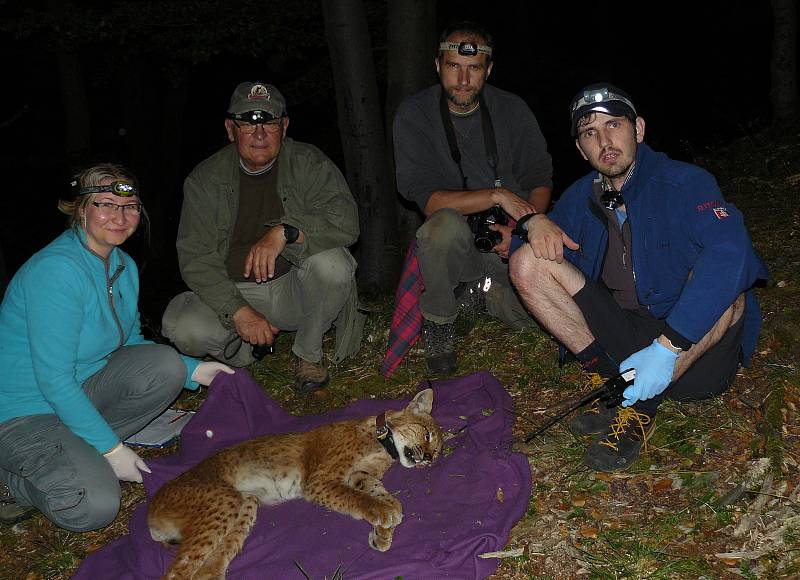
[411, 48]
[137, 132]
[363, 141]
[137, 124]
[171, 190]
[784, 63]
[77, 134]
[76, 110]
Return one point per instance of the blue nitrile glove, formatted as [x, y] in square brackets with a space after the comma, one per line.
[654, 367]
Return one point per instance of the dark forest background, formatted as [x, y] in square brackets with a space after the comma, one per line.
[146, 83]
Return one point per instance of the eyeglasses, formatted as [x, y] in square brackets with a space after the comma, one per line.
[269, 127]
[108, 208]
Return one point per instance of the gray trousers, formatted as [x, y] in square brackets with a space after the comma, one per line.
[306, 300]
[447, 256]
[46, 465]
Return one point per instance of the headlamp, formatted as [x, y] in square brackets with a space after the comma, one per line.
[600, 95]
[612, 199]
[466, 48]
[122, 188]
[256, 117]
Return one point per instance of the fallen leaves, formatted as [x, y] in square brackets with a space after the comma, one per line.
[588, 532]
[663, 484]
[578, 500]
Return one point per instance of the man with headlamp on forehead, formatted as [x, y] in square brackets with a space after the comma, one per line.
[262, 245]
[642, 264]
[465, 148]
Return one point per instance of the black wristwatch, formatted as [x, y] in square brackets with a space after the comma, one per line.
[521, 228]
[291, 233]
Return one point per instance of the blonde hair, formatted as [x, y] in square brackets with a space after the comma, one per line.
[75, 207]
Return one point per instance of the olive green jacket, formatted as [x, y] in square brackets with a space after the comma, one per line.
[316, 200]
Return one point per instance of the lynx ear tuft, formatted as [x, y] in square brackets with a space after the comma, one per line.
[422, 402]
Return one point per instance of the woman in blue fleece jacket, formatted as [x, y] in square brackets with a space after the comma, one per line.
[79, 377]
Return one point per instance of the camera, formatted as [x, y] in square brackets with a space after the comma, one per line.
[486, 239]
[262, 350]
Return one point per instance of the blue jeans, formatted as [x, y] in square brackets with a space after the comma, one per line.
[46, 465]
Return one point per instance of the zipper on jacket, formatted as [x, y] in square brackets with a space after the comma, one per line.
[110, 286]
[625, 248]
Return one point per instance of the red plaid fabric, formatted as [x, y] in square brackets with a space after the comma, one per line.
[407, 317]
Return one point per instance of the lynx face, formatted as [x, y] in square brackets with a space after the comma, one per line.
[416, 435]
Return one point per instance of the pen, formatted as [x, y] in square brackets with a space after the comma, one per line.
[178, 416]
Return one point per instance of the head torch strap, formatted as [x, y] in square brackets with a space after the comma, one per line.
[466, 48]
[598, 96]
[120, 188]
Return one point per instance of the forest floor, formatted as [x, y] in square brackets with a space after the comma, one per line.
[716, 494]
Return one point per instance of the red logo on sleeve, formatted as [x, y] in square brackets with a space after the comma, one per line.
[721, 212]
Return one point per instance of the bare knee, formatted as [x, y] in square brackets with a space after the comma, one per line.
[524, 268]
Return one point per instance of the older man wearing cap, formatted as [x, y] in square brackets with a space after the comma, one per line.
[262, 245]
[642, 264]
[463, 147]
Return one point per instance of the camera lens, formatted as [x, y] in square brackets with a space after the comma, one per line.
[487, 240]
[261, 350]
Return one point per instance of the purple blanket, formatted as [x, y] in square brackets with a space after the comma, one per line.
[453, 511]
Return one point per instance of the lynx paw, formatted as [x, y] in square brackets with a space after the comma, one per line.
[381, 538]
[384, 513]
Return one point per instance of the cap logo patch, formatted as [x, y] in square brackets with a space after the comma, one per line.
[258, 93]
[721, 212]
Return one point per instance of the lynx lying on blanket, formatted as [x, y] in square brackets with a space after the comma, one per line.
[211, 508]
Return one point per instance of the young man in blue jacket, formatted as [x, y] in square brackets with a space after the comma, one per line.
[642, 264]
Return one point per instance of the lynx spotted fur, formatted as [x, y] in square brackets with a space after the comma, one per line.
[211, 508]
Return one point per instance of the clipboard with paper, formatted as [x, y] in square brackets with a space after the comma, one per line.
[162, 430]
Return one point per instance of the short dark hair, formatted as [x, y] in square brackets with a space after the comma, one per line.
[468, 27]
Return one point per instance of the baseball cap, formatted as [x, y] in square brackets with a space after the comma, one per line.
[600, 98]
[257, 96]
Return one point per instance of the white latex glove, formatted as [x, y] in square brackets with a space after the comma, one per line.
[206, 371]
[126, 463]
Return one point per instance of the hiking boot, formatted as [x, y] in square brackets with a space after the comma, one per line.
[620, 445]
[471, 300]
[10, 511]
[310, 376]
[440, 354]
[593, 420]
